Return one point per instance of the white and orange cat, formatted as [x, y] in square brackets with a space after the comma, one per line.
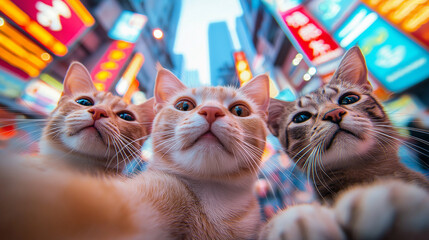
[208, 143]
[93, 130]
[341, 136]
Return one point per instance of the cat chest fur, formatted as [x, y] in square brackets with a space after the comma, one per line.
[196, 210]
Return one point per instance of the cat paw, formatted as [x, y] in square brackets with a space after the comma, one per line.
[303, 222]
[386, 210]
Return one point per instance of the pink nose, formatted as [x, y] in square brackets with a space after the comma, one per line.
[98, 113]
[211, 113]
[334, 115]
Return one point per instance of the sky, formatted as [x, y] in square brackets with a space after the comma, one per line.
[192, 32]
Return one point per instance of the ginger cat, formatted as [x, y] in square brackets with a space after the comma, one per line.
[341, 136]
[208, 144]
[94, 130]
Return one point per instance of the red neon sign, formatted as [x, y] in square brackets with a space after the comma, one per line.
[56, 24]
[56, 16]
[316, 43]
[110, 64]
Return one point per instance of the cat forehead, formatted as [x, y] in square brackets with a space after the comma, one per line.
[109, 99]
[323, 95]
[214, 93]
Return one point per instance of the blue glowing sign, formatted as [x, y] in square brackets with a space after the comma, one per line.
[328, 12]
[128, 27]
[395, 60]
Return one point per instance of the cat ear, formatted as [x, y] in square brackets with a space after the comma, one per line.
[258, 89]
[352, 69]
[166, 85]
[147, 114]
[276, 110]
[78, 79]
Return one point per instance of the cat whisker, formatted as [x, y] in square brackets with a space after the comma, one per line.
[248, 158]
[126, 145]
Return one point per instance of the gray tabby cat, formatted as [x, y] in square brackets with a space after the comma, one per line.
[341, 136]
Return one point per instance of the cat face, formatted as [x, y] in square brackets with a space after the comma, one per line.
[337, 124]
[210, 131]
[97, 124]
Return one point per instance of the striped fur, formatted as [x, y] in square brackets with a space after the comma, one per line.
[361, 148]
[219, 173]
[357, 169]
[110, 143]
[180, 196]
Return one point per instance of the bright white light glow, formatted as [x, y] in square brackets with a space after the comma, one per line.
[157, 33]
[312, 71]
[306, 77]
[366, 22]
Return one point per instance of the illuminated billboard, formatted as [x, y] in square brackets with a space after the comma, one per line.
[394, 59]
[19, 54]
[410, 16]
[56, 24]
[329, 12]
[110, 65]
[128, 27]
[315, 42]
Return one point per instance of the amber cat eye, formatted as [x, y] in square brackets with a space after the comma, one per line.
[184, 105]
[240, 110]
[348, 98]
[85, 102]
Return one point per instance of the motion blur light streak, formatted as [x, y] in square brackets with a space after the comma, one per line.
[33, 28]
[21, 52]
[130, 74]
[82, 12]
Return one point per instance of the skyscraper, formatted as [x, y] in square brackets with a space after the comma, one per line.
[222, 71]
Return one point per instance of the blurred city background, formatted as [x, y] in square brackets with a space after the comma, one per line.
[225, 42]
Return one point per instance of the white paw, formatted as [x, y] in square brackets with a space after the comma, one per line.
[389, 209]
[303, 222]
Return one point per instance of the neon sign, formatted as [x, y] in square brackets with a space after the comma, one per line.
[412, 16]
[56, 24]
[110, 64]
[19, 54]
[394, 59]
[128, 26]
[315, 42]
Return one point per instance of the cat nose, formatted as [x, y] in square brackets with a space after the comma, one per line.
[98, 113]
[211, 113]
[334, 115]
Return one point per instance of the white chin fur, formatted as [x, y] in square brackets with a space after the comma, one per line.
[345, 148]
[85, 142]
[206, 158]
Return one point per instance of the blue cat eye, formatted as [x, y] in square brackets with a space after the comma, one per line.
[301, 117]
[184, 105]
[348, 99]
[85, 102]
[126, 116]
[240, 110]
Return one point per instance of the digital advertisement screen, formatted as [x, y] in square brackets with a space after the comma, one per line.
[394, 59]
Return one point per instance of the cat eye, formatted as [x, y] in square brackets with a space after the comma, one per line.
[184, 105]
[301, 117]
[240, 110]
[348, 99]
[126, 116]
[85, 102]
